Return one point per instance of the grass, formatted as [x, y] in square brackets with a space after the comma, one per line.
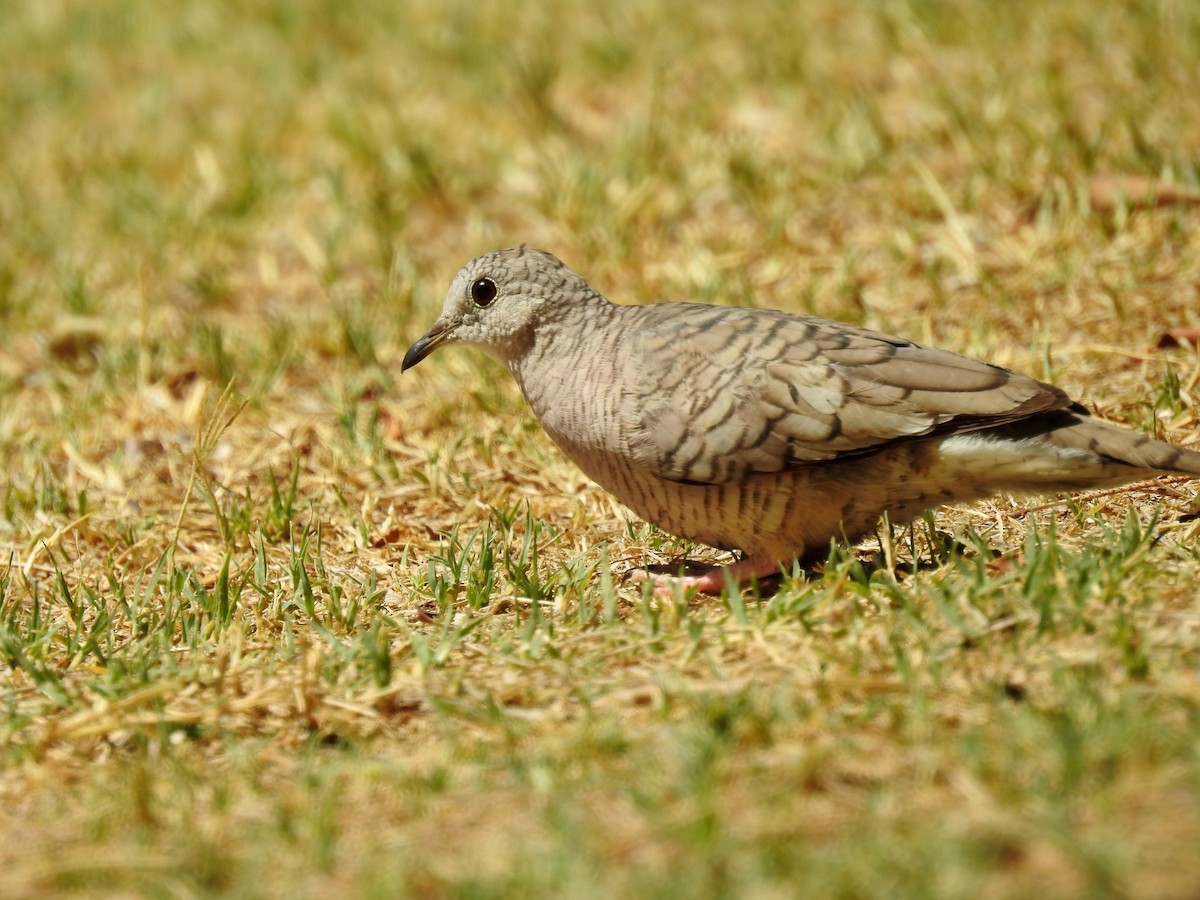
[276, 621]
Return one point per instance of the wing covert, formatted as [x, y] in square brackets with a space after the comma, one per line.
[716, 395]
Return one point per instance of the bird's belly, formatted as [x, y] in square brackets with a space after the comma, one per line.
[781, 515]
[788, 514]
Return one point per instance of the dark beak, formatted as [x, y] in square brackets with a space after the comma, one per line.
[441, 330]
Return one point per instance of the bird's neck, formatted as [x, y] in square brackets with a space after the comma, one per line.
[568, 368]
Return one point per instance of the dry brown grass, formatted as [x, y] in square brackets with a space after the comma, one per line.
[409, 669]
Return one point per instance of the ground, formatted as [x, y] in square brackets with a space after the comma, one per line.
[278, 621]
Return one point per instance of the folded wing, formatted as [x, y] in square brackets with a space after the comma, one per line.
[715, 394]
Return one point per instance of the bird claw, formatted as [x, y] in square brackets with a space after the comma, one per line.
[665, 584]
[709, 579]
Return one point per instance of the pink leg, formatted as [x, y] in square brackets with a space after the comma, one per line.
[711, 581]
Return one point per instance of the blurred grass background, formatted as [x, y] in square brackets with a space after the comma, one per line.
[336, 631]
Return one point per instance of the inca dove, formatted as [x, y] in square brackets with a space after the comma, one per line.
[767, 432]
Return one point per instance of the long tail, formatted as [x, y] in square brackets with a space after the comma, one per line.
[1066, 450]
[1074, 429]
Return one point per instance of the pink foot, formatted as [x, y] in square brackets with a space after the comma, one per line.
[711, 581]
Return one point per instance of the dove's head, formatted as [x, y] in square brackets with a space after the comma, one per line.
[498, 302]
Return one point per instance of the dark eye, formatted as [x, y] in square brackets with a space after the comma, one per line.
[484, 292]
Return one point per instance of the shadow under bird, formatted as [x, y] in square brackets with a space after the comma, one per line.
[768, 432]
